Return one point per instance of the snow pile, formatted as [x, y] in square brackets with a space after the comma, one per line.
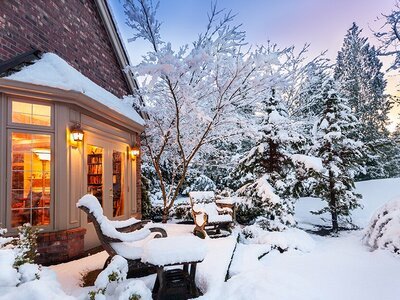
[291, 238]
[109, 228]
[383, 232]
[51, 70]
[174, 250]
[111, 283]
[310, 162]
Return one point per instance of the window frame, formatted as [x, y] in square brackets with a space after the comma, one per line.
[10, 123]
[10, 128]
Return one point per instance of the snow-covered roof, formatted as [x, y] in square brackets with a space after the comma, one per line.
[51, 70]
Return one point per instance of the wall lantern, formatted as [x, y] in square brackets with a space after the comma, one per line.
[135, 151]
[77, 133]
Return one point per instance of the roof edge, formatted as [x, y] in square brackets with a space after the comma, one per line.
[116, 42]
[9, 86]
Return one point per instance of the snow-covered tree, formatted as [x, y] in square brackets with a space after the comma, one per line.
[309, 98]
[191, 96]
[340, 155]
[268, 167]
[389, 36]
[358, 69]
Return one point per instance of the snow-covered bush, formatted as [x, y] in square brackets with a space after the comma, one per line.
[383, 232]
[201, 183]
[288, 239]
[182, 211]
[17, 257]
[111, 283]
[271, 212]
[20, 278]
[26, 243]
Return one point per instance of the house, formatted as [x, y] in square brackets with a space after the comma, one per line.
[65, 128]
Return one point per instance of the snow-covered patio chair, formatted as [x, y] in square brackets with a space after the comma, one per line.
[209, 218]
[124, 238]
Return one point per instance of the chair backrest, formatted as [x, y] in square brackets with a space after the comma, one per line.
[104, 240]
[201, 197]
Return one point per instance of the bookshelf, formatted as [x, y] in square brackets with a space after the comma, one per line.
[95, 175]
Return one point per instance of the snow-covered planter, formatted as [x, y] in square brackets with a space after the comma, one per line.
[383, 232]
[111, 283]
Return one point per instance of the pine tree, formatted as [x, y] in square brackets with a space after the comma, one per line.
[358, 70]
[340, 155]
[267, 170]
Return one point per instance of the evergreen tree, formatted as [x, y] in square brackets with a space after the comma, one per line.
[309, 100]
[267, 170]
[340, 155]
[358, 70]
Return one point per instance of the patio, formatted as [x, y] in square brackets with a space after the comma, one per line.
[211, 273]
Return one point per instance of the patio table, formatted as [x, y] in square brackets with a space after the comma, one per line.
[184, 251]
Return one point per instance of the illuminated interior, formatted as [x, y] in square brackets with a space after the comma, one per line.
[118, 184]
[31, 179]
[31, 114]
[95, 172]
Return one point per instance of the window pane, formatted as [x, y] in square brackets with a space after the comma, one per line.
[118, 184]
[30, 179]
[31, 114]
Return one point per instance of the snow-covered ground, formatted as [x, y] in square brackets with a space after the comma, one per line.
[325, 267]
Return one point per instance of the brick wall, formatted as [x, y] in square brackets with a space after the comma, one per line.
[60, 246]
[70, 28]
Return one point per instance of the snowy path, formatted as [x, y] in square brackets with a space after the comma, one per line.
[337, 268]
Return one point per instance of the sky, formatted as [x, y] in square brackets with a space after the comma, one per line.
[322, 23]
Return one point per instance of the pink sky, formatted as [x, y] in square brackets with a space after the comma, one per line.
[322, 23]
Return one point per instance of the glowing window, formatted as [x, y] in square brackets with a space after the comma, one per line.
[30, 179]
[31, 113]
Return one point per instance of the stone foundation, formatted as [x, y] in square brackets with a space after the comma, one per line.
[60, 246]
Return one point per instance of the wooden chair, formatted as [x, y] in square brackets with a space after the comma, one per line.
[114, 241]
[209, 218]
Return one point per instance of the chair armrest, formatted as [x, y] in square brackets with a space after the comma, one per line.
[133, 227]
[159, 231]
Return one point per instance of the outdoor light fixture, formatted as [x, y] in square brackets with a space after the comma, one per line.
[77, 133]
[135, 151]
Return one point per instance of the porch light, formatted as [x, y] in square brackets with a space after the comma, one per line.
[77, 133]
[135, 151]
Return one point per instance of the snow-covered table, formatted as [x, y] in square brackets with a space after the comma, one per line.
[175, 251]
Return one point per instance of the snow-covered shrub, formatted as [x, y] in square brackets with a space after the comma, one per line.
[288, 239]
[201, 183]
[17, 256]
[182, 211]
[272, 212]
[383, 232]
[20, 278]
[26, 243]
[111, 283]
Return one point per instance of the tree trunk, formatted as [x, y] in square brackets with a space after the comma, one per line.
[332, 203]
[165, 215]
